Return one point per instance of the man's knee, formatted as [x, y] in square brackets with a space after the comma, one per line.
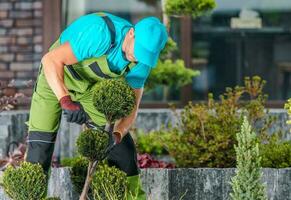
[40, 148]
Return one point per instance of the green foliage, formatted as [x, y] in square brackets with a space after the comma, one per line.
[109, 183]
[194, 8]
[206, 136]
[246, 184]
[52, 198]
[78, 171]
[276, 153]
[153, 142]
[288, 108]
[114, 98]
[92, 144]
[25, 182]
[170, 48]
[169, 73]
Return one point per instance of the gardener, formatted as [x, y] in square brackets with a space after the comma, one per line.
[94, 47]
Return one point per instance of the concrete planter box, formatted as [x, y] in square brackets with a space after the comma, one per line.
[13, 128]
[191, 184]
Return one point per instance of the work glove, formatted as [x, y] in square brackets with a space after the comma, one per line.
[73, 110]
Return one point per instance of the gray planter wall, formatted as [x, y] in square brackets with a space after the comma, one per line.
[191, 184]
[13, 128]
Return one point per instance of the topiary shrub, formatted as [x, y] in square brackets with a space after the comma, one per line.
[115, 99]
[109, 183]
[25, 182]
[169, 73]
[246, 184]
[92, 144]
[78, 171]
[193, 8]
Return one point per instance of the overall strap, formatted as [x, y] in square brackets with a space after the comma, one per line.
[112, 30]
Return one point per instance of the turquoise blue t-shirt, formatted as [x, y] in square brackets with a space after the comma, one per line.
[90, 37]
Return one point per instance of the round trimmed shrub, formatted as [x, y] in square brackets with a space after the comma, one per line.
[114, 98]
[194, 8]
[92, 144]
[25, 182]
[109, 183]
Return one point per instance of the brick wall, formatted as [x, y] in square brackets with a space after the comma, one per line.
[20, 42]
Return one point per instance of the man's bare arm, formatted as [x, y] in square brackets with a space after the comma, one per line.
[53, 65]
[122, 126]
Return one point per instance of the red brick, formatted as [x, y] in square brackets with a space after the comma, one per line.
[7, 40]
[37, 5]
[24, 57]
[23, 5]
[6, 74]
[5, 6]
[26, 91]
[21, 31]
[24, 74]
[9, 91]
[24, 40]
[18, 66]
[3, 14]
[6, 57]
[20, 14]
[3, 66]
[37, 13]
[28, 22]
[6, 23]
[37, 39]
[21, 48]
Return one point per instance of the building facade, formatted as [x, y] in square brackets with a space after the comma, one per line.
[237, 39]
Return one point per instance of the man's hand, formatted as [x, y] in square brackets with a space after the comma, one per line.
[114, 139]
[73, 110]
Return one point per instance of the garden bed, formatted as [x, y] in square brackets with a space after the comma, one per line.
[12, 124]
[191, 184]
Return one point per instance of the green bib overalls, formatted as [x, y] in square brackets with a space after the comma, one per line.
[45, 111]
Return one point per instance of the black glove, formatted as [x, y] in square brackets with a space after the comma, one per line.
[73, 110]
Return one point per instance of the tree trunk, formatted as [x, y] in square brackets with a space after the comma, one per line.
[166, 91]
[165, 16]
[90, 172]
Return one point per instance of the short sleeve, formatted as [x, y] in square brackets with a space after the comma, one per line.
[138, 75]
[88, 37]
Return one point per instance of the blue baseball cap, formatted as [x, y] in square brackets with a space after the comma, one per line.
[150, 38]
